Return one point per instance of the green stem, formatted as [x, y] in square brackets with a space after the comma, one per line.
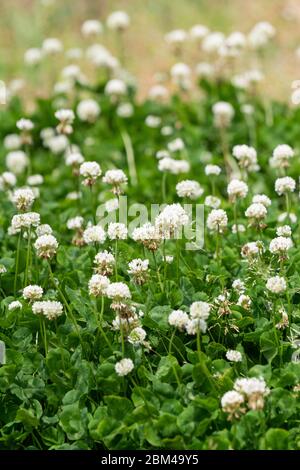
[17, 263]
[27, 258]
[130, 157]
[116, 260]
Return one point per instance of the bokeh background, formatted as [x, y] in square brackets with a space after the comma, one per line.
[25, 23]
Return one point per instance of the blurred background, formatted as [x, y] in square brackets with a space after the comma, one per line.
[26, 23]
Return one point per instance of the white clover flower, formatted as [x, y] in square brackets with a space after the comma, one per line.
[223, 114]
[65, 118]
[52, 46]
[118, 21]
[58, 143]
[148, 235]
[158, 93]
[15, 305]
[169, 259]
[12, 142]
[176, 37]
[171, 219]
[234, 356]
[16, 161]
[104, 262]
[75, 223]
[262, 199]
[117, 231]
[116, 178]
[250, 250]
[280, 245]
[46, 246]
[162, 154]
[23, 198]
[91, 171]
[26, 221]
[246, 156]
[137, 266]
[284, 231]
[261, 34]
[91, 28]
[176, 145]
[94, 234]
[3, 269]
[173, 166]
[198, 32]
[35, 180]
[153, 121]
[137, 336]
[7, 180]
[256, 211]
[204, 70]
[112, 205]
[70, 73]
[292, 217]
[32, 292]
[118, 291]
[124, 367]
[125, 110]
[49, 308]
[98, 285]
[74, 159]
[232, 402]
[195, 325]
[281, 157]
[217, 220]
[33, 56]
[43, 229]
[254, 389]
[239, 286]
[189, 188]
[167, 130]
[212, 170]
[237, 189]
[212, 42]
[179, 319]
[276, 284]
[180, 72]
[200, 310]
[238, 228]
[285, 185]
[115, 87]
[212, 201]
[88, 110]
[25, 125]
[244, 301]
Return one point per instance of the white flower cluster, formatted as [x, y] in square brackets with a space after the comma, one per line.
[246, 156]
[217, 220]
[195, 322]
[189, 189]
[171, 219]
[49, 308]
[248, 393]
[46, 246]
[98, 285]
[138, 269]
[91, 171]
[23, 199]
[32, 292]
[94, 234]
[104, 262]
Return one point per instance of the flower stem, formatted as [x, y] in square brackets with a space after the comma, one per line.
[17, 263]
